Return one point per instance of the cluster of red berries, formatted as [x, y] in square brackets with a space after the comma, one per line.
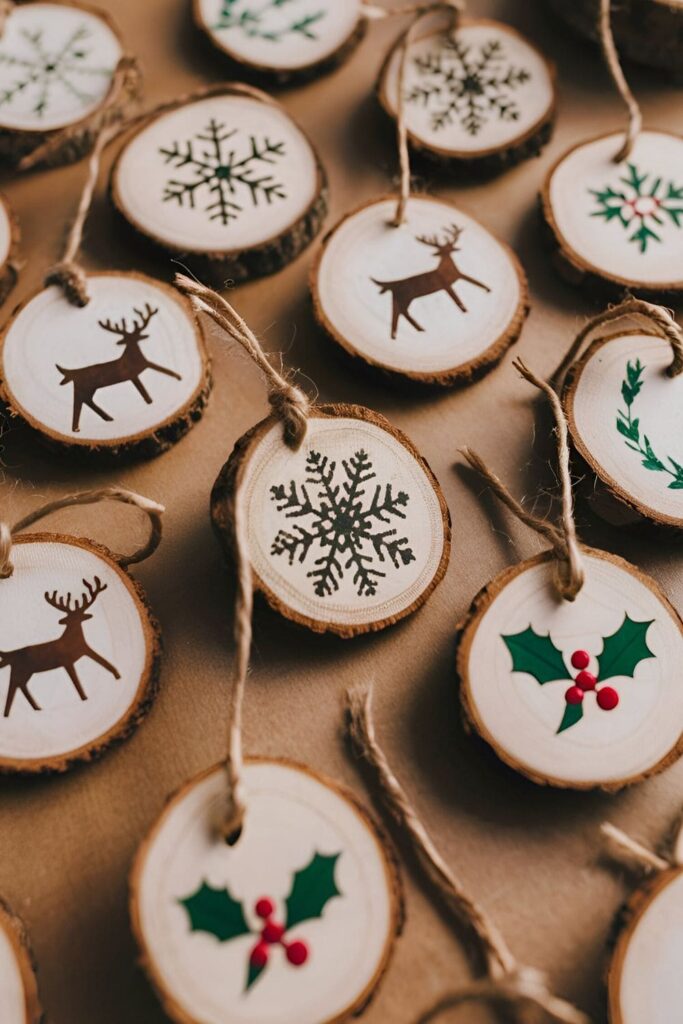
[272, 934]
[607, 697]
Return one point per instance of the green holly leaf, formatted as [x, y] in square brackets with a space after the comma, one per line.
[536, 655]
[623, 651]
[215, 911]
[573, 713]
[313, 887]
[253, 975]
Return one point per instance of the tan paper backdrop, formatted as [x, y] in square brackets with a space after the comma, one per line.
[530, 855]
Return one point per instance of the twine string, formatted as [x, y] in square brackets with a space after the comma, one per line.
[609, 49]
[525, 988]
[152, 509]
[624, 847]
[6, 8]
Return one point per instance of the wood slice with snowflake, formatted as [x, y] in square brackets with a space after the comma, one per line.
[128, 375]
[225, 177]
[578, 694]
[484, 96]
[300, 38]
[18, 985]
[438, 299]
[296, 920]
[79, 654]
[625, 416]
[619, 225]
[347, 535]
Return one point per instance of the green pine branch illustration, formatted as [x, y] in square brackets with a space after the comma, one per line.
[256, 23]
[628, 426]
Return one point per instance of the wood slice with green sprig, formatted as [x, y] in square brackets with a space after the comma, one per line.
[18, 985]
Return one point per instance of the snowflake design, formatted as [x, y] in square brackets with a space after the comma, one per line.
[344, 525]
[257, 22]
[47, 68]
[222, 172]
[644, 202]
[467, 84]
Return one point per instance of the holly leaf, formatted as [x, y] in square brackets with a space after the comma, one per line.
[313, 887]
[215, 911]
[623, 651]
[573, 713]
[536, 655]
[253, 975]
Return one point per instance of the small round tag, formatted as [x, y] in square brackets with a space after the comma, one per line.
[347, 535]
[579, 694]
[295, 921]
[438, 299]
[18, 986]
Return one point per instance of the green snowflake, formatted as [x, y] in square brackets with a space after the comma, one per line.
[628, 426]
[644, 203]
[264, 20]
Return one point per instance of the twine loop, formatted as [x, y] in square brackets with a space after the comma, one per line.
[71, 278]
[609, 50]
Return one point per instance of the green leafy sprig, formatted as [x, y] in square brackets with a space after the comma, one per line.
[628, 426]
[254, 23]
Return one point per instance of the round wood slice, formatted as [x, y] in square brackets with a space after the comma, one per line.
[18, 985]
[225, 176]
[10, 236]
[49, 651]
[619, 225]
[486, 96]
[57, 64]
[309, 859]
[438, 299]
[516, 663]
[301, 38]
[625, 415]
[347, 535]
[126, 375]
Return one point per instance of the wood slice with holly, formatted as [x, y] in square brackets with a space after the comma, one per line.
[79, 654]
[483, 96]
[127, 375]
[348, 535]
[581, 694]
[10, 236]
[625, 416]
[619, 225]
[18, 985]
[297, 39]
[294, 921]
[224, 177]
[438, 299]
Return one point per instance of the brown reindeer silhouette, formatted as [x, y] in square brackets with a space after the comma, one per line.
[63, 652]
[405, 290]
[87, 380]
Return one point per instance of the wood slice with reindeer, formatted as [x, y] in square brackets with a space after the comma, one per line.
[18, 984]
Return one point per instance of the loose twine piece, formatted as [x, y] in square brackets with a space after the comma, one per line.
[569, 572]
[153, 510]
[624, 847]
[508, 983]
[609, 49]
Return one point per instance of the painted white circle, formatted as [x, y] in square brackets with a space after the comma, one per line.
[637, 444]
[56, 66]
[396, 295]
[348, 530]
[522, 717]
[12, 993]
[282, 37]
[46, 649]
[60, 363]
[479, 92]
[603, 211]
[219, 174]
[202, 962]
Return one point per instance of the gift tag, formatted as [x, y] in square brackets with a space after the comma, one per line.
[625, 415]
[293, 38]
[18, 986]
[9, 246]
[482, 93]
[79, 654]
[227, 176]
[578, 694]
[619, 223]
[347, 535]
[437, 299]
[127, 374]
[295, 921]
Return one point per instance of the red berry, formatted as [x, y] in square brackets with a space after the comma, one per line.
[273, 931]
[581, 659]
[608, 698]
[573, 695]
[259, 955]
[297, 953]
[265, 907]
[586, 681]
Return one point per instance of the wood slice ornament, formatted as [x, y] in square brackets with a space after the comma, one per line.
[18, 985]
[224, 176]
[10, 236]
[79, 648]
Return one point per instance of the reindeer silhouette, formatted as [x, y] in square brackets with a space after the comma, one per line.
[405, 290]
[87, 380]
[63, 652]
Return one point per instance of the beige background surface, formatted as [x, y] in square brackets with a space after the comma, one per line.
[530, 856]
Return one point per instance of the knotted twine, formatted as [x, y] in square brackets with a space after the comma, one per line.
[508, 983]
[153, 511]
[609, 50]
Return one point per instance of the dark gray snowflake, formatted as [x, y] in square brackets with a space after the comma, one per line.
[224, 173]
[344, 525]
[467, 84]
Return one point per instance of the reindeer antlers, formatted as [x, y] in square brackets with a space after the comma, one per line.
[452, 234]
[143, 317]
[64, 604]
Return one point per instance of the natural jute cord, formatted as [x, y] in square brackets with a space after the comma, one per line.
[609, 49]
[623, 847]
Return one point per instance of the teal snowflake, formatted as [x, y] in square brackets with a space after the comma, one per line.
[646, 203]
[267, 20]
